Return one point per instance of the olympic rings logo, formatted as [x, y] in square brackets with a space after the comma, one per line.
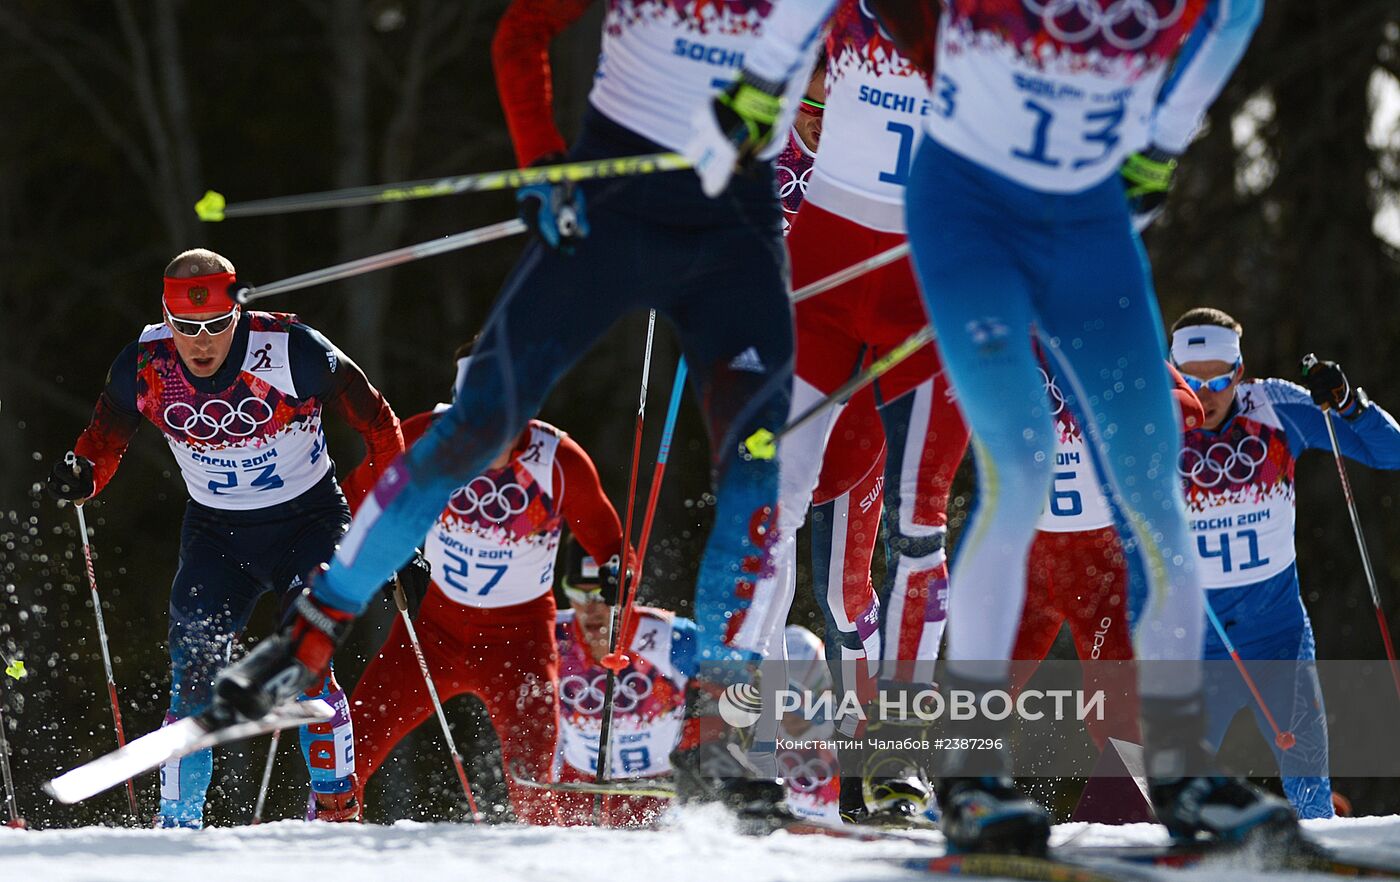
[804, 774]
[217, 415]
[1221, 462]
[1124, 24]
[588, 696]
[1057, 398]
[495, 503]
[790, 182]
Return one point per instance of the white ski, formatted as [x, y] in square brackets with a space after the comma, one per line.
[172, 742]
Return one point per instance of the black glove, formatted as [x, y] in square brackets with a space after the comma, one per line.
[71, 478]
[414, 577]
[1330, 389]
[610, 580]
[553, 212]
[1147, 177]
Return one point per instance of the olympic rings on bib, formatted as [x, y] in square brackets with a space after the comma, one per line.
[805, 775]
[790, 182]
[1222, 462]
[1124, 24]
[216, 415]
[1057, 398]
[589, 696]
[495, 503]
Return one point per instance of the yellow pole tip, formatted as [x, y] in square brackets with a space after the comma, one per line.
[211, 207]
[760, 445]
[15, 669]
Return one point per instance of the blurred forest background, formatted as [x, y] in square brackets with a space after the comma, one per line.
[118, 116]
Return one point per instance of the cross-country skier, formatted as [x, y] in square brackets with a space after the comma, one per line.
[1077, 573]
[1021, 223]
[1237, 471]
[649, 696]
[487, 620]
[716, 269]
[238, 396]
[854, 210]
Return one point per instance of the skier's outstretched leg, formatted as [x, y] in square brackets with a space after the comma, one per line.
[551, 310]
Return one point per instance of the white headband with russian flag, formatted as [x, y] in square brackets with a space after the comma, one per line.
[1205, 343]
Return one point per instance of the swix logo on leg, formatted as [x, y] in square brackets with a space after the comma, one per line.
[873, 496]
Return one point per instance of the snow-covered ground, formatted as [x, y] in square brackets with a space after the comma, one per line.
[699, 846]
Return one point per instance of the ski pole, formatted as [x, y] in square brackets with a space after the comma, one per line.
[266, 776]
[14, 669]
[763, 444]
[1360, 540]
[72, 460]
[1284, 739]
[213, 207]
[618, 659]
[401, 601]
[854, 271]
[615, 661]
[362, 265]
[662, 455]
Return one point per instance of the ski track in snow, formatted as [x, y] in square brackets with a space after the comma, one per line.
[699, 845]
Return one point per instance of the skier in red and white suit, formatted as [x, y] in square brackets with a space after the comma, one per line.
[854, 209]
[1077, 573]
[487, 622]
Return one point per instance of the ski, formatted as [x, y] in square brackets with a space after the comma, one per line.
[1306, 856]
[171, 742]
[659, 789]
[1035, 869]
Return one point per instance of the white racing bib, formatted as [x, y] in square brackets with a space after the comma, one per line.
[495, 543]
[253, 445]
[875, 101]
[650, 701]
[1240, 494]
[1053, 94]
[1076, 502]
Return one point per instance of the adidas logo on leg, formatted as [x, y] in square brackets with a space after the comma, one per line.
[748, 361]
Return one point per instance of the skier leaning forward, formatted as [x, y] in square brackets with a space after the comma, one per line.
[715, 268]
[486, 622]
[1021, 225]
[238, 396]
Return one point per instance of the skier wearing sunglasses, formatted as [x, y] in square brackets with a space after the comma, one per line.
[1237, 470]
[238, 396]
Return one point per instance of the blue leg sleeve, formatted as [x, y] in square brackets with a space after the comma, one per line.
[550, 312]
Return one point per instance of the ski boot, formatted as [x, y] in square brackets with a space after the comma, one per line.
[1224, 808]
[983, 811]
[890, 790]
[1221, 807]
[336, 807]
[285, 665]
[710, 767]
[989, 814]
